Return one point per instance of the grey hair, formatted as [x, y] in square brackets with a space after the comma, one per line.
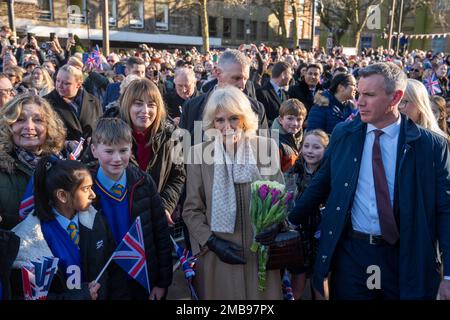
[233, 56]
[395, 78]
[187, 72]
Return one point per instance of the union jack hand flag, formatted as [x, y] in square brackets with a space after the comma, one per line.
[286, 286]
[432, 85]
[38, 277]
[130, 255]
[27, 204]
[95, 59]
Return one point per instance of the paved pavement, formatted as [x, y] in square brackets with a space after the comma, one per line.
[179, 289]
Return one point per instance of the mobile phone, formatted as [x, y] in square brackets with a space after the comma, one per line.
[70, 34]
[29, 35]
[247, 47]
[52, 36]
[155, 73]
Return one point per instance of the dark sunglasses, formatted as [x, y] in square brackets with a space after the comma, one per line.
[415, 70]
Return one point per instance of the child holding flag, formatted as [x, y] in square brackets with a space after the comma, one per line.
[124, 193]
[65, 225]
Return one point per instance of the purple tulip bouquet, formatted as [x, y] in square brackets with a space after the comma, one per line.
[268, 206]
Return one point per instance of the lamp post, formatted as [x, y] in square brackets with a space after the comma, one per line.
[105, 28]
[399, 27]
[391, 25]
[313, 23]
[11, 21]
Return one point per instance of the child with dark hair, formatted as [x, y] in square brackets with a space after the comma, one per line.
[126, 192]
[66, 226]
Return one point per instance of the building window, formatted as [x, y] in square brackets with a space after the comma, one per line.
[240, 31]
[162, 16]
[45, 9]
[112, 11]
[137, 14]
[212, 24]
[253, 28]
[227, 28]
[77, 11]
[264, 32]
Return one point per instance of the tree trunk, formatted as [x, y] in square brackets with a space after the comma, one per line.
[282, 20]
[205, 26]
[295, 36]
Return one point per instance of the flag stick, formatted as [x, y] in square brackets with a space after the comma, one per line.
[174, 242]
[103, 270]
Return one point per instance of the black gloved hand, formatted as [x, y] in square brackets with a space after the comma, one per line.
[268, 235]
[226, 251]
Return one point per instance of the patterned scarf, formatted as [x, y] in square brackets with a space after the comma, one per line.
[30, 159]
[228, 172]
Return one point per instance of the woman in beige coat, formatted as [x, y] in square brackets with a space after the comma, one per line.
[216, 210]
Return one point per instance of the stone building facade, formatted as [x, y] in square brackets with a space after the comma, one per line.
[158, 22]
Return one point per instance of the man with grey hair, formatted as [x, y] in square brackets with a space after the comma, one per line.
[7, 91]
[386, 185]
[185, 88]
[232, 70]
[227, 58]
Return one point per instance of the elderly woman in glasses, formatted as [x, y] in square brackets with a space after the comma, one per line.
[216, 210]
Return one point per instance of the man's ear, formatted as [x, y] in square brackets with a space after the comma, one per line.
[397, 97]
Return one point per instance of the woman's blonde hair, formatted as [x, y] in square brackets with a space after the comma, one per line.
[76, 73]
[141, 89]
[18, 71]
[324, 139]
[417, 94]
[75, 62]
[49, 84]
[233, 101]
[56, 132]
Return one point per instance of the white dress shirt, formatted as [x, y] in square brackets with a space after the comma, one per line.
[364, 211]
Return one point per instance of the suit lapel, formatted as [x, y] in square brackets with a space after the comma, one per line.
[85, 235]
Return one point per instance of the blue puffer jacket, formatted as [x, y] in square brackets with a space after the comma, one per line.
[327, 112]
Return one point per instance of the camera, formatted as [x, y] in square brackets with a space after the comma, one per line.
[52, 36]
[46, 45]
[155, 73]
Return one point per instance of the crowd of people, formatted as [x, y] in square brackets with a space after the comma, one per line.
[179, 136]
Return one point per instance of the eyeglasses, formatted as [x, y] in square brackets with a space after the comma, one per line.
[402, 104]
[7, 91]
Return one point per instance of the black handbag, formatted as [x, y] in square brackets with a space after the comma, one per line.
[286, 251]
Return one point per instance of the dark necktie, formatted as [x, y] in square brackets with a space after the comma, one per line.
[280, 94]
[388, 225]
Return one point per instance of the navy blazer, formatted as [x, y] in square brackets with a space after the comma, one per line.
[421, 202]
[112, 93]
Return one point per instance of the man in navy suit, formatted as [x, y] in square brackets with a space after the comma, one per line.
[272, 94]
[385, 186]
